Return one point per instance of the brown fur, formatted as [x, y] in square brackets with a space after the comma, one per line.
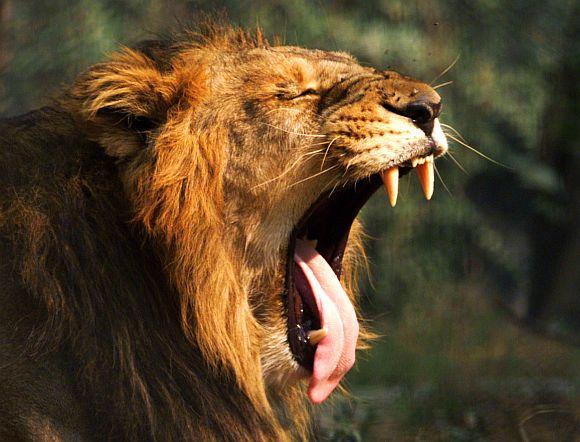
[144, 230]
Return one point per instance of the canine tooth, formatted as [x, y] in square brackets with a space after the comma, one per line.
[391, 181]
[414, 162]
[315, 336]
[426, 176]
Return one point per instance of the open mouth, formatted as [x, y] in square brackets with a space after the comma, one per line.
[322, 324]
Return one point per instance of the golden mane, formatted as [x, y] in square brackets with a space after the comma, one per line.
[177, 191]
[180, 180]
[177, 182]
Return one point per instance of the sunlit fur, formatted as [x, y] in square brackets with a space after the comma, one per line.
[218, 155]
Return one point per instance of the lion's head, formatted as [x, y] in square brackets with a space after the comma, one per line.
[247, 164]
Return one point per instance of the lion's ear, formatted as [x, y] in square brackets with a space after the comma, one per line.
[129, 92]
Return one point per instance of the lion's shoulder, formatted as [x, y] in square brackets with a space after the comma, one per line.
[58, 191]
[42, 144]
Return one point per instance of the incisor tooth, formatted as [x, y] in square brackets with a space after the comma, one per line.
[315, 336]
[426, 176]
[391, 181]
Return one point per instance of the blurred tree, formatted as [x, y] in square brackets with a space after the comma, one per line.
[556, 273]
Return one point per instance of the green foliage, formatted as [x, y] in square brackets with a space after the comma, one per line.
[435, 266]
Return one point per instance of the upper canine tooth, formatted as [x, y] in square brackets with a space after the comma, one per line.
[315, 336]
[426, 177]
[391, 181]
[414, 162]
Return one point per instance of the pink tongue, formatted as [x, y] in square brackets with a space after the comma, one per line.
[335, 353]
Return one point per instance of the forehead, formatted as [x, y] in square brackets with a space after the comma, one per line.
[315, 55]
[291, 63]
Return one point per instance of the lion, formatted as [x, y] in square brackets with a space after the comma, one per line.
[179, 241]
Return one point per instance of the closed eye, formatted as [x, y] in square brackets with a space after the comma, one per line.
[307, 92]
[310, 92]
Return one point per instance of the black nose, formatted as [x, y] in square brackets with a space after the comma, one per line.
[423, 112]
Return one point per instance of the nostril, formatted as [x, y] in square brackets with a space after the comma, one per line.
[421, 112]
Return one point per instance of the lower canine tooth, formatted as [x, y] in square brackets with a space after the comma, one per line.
[426, 176]
[391, 181]
[315, 336]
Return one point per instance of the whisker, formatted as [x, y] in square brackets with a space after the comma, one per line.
[457, 163]
[314, 152]
[473, 149]
[294, 133]
[327, 185]
[447, 83]
[319, 143]
[334, 188]
[455, 131]
[442, 182]
[446, 69]
[313, 176]
[326, 152]
[292, 166]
